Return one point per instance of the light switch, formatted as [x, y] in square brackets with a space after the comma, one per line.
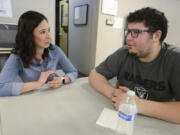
[109, 21]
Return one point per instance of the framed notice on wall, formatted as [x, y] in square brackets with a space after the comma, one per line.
[81, 14]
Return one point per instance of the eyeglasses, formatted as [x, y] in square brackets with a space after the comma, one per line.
[135, 32]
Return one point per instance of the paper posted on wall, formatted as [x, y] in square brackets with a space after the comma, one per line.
[5, 8]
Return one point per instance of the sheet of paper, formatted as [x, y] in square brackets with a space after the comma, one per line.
[76, 14]
[108, 118]
[5, 8]
[110, 7]
[118, 23]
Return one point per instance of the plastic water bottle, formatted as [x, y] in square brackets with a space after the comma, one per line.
[126, 114]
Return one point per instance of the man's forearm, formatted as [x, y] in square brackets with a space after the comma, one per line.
[168, 111]
[101, 84]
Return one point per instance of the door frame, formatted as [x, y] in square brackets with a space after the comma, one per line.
[57, 24]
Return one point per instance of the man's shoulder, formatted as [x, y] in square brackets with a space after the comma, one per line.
[171, 52]
[174, 49]
[118, 55]
[121, 51]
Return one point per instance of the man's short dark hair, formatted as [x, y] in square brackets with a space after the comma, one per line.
[152, 19]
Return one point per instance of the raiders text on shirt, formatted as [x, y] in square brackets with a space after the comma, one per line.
[148, 84]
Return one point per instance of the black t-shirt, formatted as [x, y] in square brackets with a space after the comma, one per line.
[158, 80]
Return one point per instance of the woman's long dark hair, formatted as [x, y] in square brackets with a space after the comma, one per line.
[25, 45]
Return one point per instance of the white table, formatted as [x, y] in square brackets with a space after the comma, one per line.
[70, 110]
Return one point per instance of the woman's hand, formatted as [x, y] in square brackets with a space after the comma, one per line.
[44, 76]
[55, 83]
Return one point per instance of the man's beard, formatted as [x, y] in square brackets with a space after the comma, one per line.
[138, 55]
[133, 53]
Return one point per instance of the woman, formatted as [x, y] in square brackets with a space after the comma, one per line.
[34, 60]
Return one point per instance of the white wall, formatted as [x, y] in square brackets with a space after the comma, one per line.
[46, 7]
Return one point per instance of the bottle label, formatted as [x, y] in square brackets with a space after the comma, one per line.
[127, 117]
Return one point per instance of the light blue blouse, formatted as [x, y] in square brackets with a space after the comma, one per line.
[13, 74]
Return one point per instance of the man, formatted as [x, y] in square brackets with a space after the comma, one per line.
[145, 65]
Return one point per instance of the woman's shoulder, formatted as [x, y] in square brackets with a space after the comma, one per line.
[13, 56]
[14, 59]
[55, 48]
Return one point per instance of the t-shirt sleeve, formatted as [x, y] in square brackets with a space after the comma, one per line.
[111, 66]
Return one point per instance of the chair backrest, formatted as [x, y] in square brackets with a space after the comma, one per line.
[7, 41]
[8, 35]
